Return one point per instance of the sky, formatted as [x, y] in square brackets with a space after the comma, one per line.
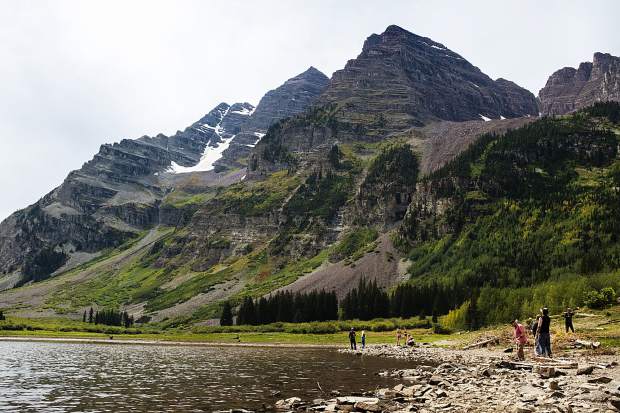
[77, 74]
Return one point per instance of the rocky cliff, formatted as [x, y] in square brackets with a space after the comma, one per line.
[401, 80]
[292, 98]
[570, 89]
[118, 193]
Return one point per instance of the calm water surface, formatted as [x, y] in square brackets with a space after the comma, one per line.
[65, 377]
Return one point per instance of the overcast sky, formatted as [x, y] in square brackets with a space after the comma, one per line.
[76, 74]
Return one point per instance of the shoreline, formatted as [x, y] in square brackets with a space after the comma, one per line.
[142, 342]
[482, 380]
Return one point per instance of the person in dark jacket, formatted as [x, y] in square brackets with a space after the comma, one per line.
[568, 320]
[543, 334]
[352, 339]
[534, 329]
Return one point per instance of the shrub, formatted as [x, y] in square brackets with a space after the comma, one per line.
[439, 329]
[600, 299]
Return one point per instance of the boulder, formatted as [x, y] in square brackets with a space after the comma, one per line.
[585, 370]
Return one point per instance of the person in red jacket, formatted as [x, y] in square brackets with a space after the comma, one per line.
[520, 338]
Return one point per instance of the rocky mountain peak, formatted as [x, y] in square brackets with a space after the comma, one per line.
[408, 80]
[570, 89]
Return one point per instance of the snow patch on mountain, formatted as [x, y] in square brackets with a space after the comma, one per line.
[211, 153]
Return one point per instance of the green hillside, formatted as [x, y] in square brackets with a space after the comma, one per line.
[521, 221]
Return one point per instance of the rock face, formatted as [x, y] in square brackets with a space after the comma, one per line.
[293, 97]
[570, 89]
[401, 80]
[118, 192]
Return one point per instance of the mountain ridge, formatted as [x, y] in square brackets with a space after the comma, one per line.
[309, 189]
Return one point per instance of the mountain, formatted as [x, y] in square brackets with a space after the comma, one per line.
[570, 89]
[399, 168]
[291, 98]
[118, 193]
[400, 80]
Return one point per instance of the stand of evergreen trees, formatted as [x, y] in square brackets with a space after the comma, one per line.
[110, 317]
[365, 302]
[288, 307]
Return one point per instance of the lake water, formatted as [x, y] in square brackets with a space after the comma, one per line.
[70, 377]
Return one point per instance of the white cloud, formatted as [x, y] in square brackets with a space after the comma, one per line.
[76, 74]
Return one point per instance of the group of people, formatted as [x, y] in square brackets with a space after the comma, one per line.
[540, 329]
[353, 340]
[406, 338]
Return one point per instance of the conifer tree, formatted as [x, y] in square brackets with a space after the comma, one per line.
[227, 318]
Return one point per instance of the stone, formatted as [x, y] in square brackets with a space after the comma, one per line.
[614, 402]
[546, 372]
[554, 385]
[368, 407]
[356, 399]
[585, 370]
[600, 380]
[435, 380]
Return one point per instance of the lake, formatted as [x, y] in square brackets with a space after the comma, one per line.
[72, 377]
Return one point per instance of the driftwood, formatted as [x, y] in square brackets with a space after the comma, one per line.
[587, 344]
[493, 340]
[545, 364]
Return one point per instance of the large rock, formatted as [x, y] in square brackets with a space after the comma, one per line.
[570, 89]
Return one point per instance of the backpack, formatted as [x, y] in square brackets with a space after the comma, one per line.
[534, 327]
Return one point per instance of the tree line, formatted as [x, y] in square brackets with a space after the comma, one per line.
[284, 306]
[108, 316]
[364, 302]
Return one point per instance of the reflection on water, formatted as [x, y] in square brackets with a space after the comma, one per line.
[62, 377]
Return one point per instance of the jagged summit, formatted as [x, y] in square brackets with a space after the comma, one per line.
[570, 89]
[291, 98]
[411, 80]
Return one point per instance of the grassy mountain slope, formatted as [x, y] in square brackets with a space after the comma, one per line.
[523, 220]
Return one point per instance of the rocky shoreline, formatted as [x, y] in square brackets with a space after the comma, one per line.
[479, 380]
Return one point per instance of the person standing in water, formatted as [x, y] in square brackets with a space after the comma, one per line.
[568, 320]
[363, 336]
[352, 339]
[520, 339]
[543, 334]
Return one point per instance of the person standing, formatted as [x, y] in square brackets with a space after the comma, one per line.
[520, 339]
[543, 333]
[352, 339]
[398, 337]
[363, 337]
[534, 329]
[568, 319]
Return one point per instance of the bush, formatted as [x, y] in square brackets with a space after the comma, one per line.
[439, 329]
[600, 299]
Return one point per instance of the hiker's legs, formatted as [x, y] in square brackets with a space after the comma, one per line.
[545, 343]
[570, 325]
[537, 348]
[520, 354]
